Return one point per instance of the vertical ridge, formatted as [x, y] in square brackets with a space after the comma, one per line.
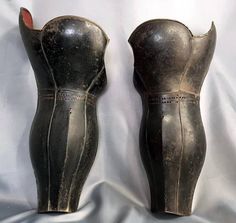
[181, 157]
[85, 127]
[64, 164]
[48, 150]
[181, 125]
[83, 147]
[50, 123]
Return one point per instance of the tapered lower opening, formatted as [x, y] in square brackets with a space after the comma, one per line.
[172, 212]
[55, 211]
[58, 207]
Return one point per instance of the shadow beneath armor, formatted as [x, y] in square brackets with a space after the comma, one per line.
[87, 212]
[18, 99]
[162, 216]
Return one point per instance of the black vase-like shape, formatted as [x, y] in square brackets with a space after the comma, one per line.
[67, 56]
[169, 69]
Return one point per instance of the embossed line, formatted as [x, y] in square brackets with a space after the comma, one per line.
[67, 95]
[170, 99]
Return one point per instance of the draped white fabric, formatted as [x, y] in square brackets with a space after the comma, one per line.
[116, 190]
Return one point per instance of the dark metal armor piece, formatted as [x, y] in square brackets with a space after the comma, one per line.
[67, 56]
[169, 69]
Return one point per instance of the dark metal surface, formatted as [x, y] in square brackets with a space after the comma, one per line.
[67, 56]
[169, 69]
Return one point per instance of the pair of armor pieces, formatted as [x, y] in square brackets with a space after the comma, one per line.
[67, 56]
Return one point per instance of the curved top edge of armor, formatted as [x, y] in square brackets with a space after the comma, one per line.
[27, 20]
[212, 29]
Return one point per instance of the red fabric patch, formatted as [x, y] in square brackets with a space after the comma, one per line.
[27, 18]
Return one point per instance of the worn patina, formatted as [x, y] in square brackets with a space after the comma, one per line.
[67, 56]
[170, 65]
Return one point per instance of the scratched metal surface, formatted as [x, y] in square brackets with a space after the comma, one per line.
[117, 189]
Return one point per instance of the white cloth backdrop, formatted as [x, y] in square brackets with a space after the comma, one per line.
[117, 188]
